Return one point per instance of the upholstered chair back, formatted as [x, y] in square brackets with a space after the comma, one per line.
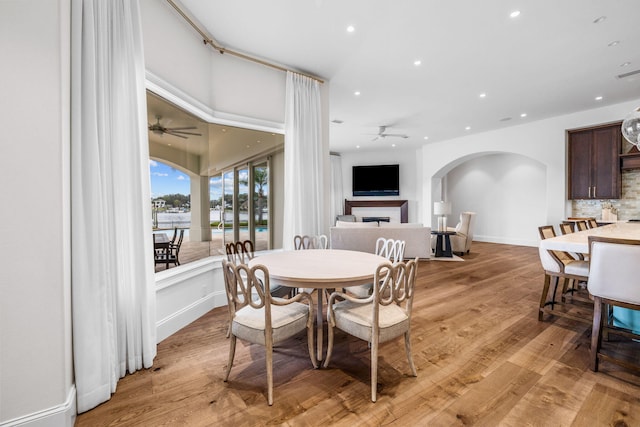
[614, 269]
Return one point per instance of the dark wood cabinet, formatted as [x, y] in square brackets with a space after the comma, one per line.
[594, 164]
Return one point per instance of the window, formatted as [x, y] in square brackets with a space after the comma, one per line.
[212, 181]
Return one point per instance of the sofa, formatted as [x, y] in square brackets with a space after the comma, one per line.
[362, 236]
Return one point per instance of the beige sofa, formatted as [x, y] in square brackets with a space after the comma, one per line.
[362, 236]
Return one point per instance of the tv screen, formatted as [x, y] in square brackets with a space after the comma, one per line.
[377, 180]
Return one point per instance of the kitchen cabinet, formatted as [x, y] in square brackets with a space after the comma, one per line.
[594, 164]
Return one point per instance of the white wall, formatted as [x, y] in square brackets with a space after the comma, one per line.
[175, 53]
[510, 185]
[409, 170]
[542, 141]
[36, 379]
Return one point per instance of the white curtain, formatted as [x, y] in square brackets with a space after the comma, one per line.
[337, 193]
[303, 162]
[113, 283]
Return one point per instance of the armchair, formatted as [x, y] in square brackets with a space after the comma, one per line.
[461, 241]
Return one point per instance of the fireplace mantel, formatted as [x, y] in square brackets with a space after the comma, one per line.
[402, 204]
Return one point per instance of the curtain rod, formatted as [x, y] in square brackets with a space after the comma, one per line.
[210, 41]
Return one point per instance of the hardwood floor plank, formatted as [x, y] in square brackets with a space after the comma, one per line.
[482, 359]
[610, 407]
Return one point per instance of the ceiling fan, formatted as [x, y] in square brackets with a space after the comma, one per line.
[382, 134]
[180, 132]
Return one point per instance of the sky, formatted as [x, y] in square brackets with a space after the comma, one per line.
[168, 180]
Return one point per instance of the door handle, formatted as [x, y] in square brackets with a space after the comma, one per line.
[589, 191]
[594, 192]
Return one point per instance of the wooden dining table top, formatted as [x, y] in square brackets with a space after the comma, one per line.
[578, 242]
[320, 268]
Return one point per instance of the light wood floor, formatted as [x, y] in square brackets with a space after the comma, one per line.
[482, 358]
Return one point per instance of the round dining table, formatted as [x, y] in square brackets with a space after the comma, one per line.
[319, 269]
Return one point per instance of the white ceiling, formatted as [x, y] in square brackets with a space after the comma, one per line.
[550, 60]
[218, 146]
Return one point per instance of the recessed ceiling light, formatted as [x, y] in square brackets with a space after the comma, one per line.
[357, 146]
[467, 128]
[393, 145]
[614, 43]
[224, 130]
[417, 62]
[598, 98]
[599, 19]
[351, 29]
[356, 93]
[625, 64]
[248, 146]
[259, 141]
[523, 115]
[483, 95]
[514, 14]
[426, 137]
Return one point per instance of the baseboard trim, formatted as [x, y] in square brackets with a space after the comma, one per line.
[63, 415]
[178, 320]
[504, 241]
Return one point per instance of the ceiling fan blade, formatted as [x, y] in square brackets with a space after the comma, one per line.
[175, 134]
[399, 135]
[184, 128]
[173, 131]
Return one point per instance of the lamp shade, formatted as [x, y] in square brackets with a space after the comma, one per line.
[441, 208]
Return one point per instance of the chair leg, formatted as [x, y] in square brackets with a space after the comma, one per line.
[565, 289]
[596, 332]
[232, 353]
[329, 344]
[543, 297]
[374, 368]
[312, 354]
[407, 346]
[269, 362]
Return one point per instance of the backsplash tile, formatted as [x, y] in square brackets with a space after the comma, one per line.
[628, 206]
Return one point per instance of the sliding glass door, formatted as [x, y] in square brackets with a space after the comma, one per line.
[246, 204]
[261, 206]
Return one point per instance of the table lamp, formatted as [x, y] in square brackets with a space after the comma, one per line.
[442, 209]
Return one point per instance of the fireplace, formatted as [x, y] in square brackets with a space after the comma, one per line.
[396, 210]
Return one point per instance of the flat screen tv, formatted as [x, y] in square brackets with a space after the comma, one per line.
[376, 180]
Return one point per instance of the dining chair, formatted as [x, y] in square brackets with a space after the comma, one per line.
[592, 223]
[310, 242]
[240, 252]
[300, 242]
[170, 254]
[561, 265]
[581, 225]
[613, 281]
[391, 249]
[259, 318]
[566, 227]
[175, 234]
[381, 317]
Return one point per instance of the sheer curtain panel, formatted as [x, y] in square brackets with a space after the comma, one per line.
[303, 163]
[113, 293]
[337, 194]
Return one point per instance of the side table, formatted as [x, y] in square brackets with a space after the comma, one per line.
[443, 243]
